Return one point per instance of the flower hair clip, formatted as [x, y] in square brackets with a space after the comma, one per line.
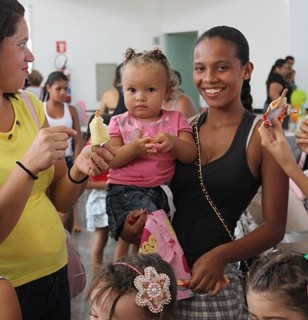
[153, 288]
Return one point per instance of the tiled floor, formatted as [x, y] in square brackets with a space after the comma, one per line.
[83, 244]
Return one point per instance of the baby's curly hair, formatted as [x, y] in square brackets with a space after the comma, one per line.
[152, 57]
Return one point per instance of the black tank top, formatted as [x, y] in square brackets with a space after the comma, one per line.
[120, 108]
[231, 186]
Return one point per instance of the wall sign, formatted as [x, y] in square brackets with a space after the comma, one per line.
[61, 46]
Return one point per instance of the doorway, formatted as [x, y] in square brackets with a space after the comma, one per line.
[179, 50]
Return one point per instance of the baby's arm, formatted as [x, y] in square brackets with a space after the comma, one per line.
[125, 153]
[183, 146]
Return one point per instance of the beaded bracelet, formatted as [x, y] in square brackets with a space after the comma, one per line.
[76, 181]
[31, 174]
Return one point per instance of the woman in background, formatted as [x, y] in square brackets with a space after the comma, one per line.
[275, 84]
[181, 101]
[113, 99]
[58, 112]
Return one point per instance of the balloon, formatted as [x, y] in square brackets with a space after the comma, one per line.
[298, 98]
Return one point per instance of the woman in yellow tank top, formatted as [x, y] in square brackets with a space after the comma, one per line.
[34, 182]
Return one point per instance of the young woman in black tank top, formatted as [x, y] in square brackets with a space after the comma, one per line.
[233, 165]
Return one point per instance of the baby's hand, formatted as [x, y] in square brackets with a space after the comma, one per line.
[134, 215]
[133, 226]
[141, 144]
[163, 142]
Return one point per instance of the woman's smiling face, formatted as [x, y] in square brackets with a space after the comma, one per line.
[218, 73]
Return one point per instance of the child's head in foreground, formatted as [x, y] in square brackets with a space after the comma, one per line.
[137, 287]
[277, 287]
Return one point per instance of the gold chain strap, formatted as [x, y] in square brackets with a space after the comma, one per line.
[206, 194]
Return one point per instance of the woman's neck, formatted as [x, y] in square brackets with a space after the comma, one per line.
[218, 117]
[54, 104]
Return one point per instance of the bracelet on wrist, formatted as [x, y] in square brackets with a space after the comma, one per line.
[76, 181]
[31, 174]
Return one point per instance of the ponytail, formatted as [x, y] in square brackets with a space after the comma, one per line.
[246, 96]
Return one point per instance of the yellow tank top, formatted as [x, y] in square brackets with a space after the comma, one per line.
[36, 246]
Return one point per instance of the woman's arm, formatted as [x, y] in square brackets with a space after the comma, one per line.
[64, 192]
[275, 89]
[9, 304]
[109, 99]
[274, 140]
[209, 268]
[103, 104]
[183, 146]
[47, 147]
[302, 136]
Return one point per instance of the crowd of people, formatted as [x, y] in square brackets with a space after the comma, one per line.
[202, 169]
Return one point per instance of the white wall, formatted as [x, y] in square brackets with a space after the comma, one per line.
[255, 19]
[99, 31]
[299, 43]
[95, 31]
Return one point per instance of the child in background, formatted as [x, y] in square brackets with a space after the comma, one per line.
[97, 219]
[60, 113]
[148, 139]
[277, 287]
[9, 305]
[35, 80]
[96, 216]
[137, 286]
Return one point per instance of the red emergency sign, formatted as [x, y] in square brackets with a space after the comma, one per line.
[61, 46]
